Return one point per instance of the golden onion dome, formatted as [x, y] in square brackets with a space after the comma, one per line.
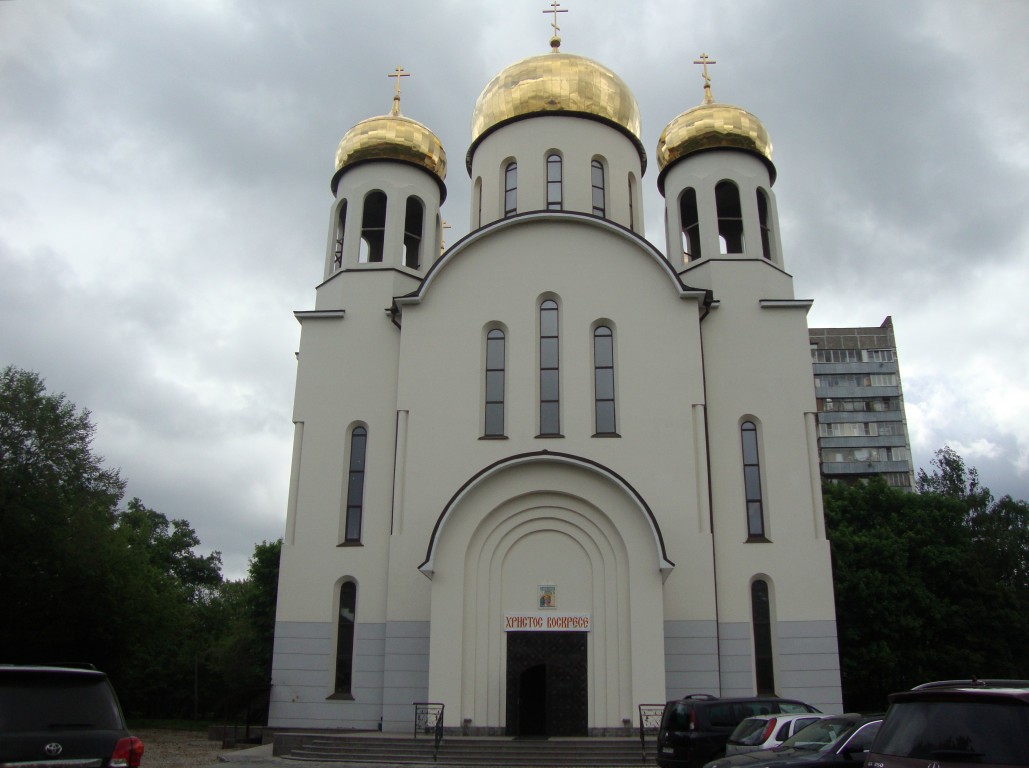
[713, 126]
[391, 137]
[558, 84]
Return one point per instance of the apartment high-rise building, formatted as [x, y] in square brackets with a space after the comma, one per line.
[862, 429]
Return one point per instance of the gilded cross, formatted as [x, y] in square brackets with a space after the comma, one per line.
[555, 8]
[707, 78]
[397, 73]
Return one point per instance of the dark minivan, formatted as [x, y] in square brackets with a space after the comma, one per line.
[695, 728]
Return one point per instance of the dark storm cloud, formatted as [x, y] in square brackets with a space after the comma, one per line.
[164, 198]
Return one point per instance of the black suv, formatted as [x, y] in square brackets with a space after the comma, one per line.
[955, 723]
[62, 716]
[694, 729]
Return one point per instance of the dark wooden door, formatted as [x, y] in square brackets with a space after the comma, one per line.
[546, 684]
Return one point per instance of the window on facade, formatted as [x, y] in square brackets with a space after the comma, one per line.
[632, 203]
[550, 405]
[752, 481]
[554, 182]
[345, 638]
[511, 189]
[730, 217]
[341, 223]
[879, 355]
[413, 222]
[766, 232]
[373, 227]
[495, 383]
[761, 615]
[835, 355]
[604, 380]
[597, 182]
[478, 202]
[690, 221]
[355, 485]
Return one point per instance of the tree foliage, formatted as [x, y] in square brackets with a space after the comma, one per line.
[124, 589]
[929, 585]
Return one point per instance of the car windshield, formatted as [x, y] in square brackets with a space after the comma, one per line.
[39, 702]
[957, 731]
[820, 735]
[749, 731]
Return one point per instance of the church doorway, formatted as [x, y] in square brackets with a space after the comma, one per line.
[546, 684]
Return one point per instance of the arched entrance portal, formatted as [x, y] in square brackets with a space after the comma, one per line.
[546, 684]
[547, 604]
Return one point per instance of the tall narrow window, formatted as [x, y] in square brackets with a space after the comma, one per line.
[341, 224]
[478, 202]
[730, 217]
[766, 232]
[752, 481]
[355, 485]
[373, 227]
[690, 221]
[495, 383]
[554, 182]
[413, 221]
[511, 189]
[597, 182]
[345, 638]
[761, 614]
[632, 203]
[550, 405]
[604, 380]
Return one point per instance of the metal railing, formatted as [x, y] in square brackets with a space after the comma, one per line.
[428, 718]
[650, 722]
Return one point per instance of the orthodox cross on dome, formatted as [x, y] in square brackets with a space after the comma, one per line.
[707, 78]
[555, 8]
[397, 73]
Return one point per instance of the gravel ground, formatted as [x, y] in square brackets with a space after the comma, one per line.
[180, 749]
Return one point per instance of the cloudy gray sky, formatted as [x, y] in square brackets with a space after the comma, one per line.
[164, 197]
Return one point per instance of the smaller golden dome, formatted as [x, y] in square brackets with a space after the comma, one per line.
[391, 137]
[713, 126]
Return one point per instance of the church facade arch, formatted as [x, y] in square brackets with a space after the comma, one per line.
[546, 543]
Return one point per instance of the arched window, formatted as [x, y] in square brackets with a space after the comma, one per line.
[345, 638]
[478, 202]
[597, 182]
[550, 381]
[355, 485]
[752, 481]
[690, 221]
[413, 221]
[511, 189]
[604, 380]
[632, 203]
[554, 182]
[761, 614]
[766, 232]
[373, 227]
[341, 224]
[730, 217]
[495, 343]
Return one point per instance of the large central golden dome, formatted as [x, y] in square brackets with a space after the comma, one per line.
[556, 83]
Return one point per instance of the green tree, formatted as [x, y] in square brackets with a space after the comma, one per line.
[57, 506]
[929, 585]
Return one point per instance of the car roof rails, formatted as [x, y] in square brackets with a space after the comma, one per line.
[700, 697]
[973, 682]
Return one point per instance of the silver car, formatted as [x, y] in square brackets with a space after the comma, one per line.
[766, 731]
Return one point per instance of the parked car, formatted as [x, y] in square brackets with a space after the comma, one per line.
[62, 716]
[766, 731]
[835, 741]
[956, 723]
[694, 729]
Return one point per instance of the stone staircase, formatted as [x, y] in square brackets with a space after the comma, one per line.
[464, 750]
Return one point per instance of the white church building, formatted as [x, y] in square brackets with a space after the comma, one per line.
[554, 471]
